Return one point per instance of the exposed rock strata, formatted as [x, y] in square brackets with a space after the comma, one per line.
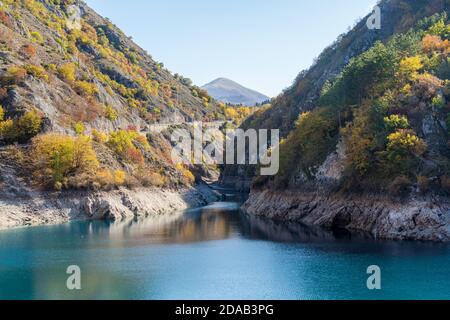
[54, 208]
[416, 219]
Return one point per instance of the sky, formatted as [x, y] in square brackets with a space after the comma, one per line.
[261, 44]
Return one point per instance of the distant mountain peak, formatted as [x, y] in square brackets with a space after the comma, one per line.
[229, 91]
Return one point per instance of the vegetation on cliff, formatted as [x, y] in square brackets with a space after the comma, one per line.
[390, 109]
[76, 101]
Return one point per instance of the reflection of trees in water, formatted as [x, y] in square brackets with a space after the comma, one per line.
[202, 226]
[333, 240]
[192, 226]
[223, 221]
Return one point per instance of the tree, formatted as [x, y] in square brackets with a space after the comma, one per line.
[56, 158]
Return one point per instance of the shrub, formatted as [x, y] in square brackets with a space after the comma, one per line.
[406, 141]
[14, 75]
[431, 43]
[79, 128]
[2, 113]
[428, 86]
[119, 177]
[409, 67]
[5, 19]
[28, 51]
[445, 183]
[104, 178]
[51, 67]
[3, 93]
[400, 186]
[85, 88]
[152, 179]
[131, 182]
[423, 184]
[37, 37]
[438, 101]
[56, 158]
[99, 136]
[120, 141]
[37, 71]
[28, 125]
[108, 179]
[134, 155]
[110, 113]
[22, 129]
[394, 122]
[403, 151]
[186, 174]
[68, 72]
[7, 131]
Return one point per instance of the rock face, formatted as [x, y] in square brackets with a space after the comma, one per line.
[416, 219]
[52, 208]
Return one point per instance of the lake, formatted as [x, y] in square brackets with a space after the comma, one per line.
[215, 252]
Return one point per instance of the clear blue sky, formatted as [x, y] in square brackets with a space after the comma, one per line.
[262, 44]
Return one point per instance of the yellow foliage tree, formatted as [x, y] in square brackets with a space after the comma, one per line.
[56, 158]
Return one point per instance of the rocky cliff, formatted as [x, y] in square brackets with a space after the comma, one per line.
[367, 131]
[78, 99]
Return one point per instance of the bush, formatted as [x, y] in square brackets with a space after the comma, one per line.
[188, 177]
[14, 75]
[85, 88]
[28, 126]
[68, 72]
[409, 67]
[37, 37]
[79, 128]
[37, 71]
[152, 179]
[56, 158]
[403, 151]
[445, 183]
[400, 186]
[122, 142]
[395, 122]
[28, 51]
[5, 19]
[7, 132]
[134, 156]
[22, 129]
[109, 179]
[99, 136]
[110, 113]
[423, 184]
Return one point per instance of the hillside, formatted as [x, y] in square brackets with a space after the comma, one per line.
[369, 146]
[77, 102]
[228, 91]
[398, 16]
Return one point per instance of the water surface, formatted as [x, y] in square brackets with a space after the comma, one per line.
[215, 252]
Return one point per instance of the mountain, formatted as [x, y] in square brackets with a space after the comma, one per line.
[69, 80]
[397, 16]
[228, 91]
[367, 131]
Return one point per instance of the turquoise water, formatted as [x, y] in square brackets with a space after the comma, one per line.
[214, 253]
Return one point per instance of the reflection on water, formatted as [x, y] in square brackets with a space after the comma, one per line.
[216, 252]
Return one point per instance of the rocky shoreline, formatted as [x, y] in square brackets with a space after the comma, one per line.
[56, 208]
[424, 219]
